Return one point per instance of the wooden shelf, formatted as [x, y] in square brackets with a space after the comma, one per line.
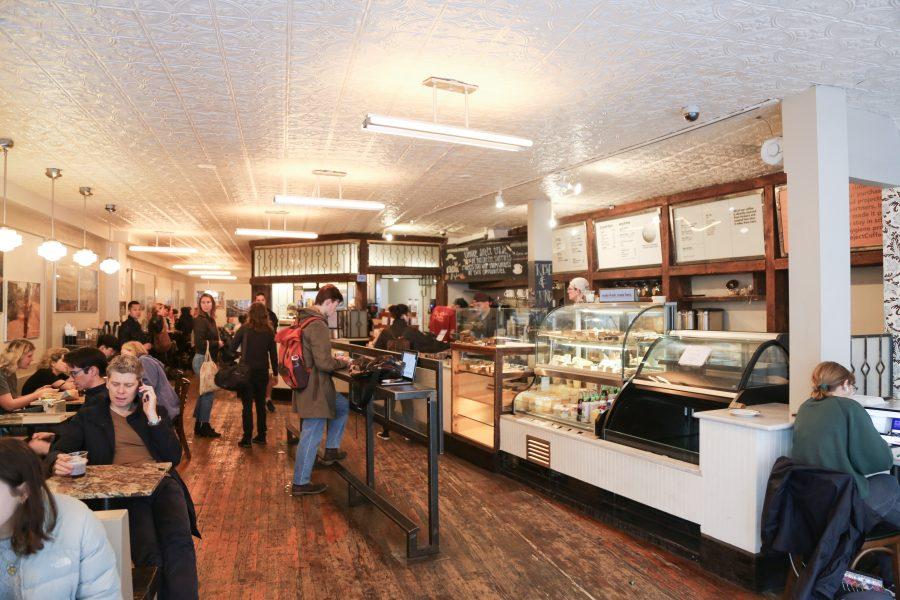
[718, 268]
[747, 299]
[580, 374]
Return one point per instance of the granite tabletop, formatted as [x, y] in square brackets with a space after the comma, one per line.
[111, 481]
[34, 418]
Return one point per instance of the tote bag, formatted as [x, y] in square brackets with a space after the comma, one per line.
[208, 372]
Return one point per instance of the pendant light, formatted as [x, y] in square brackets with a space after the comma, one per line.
[110, 265]
[9, 238]
[52, 250]
[84, 257]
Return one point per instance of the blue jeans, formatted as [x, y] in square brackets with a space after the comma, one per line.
[203, 408]
[311, 434]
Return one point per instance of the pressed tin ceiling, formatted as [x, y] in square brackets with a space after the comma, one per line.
[131, 96]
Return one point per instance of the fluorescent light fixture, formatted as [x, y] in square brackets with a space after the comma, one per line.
[316, 202]
[221, 277]
[214, 272]
[277, 233]
[388, 236]
[164, 249]
[198, 267]
[444, 133]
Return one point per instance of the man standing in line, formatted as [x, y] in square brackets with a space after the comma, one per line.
[131, 330]
[260, 298]
[319, 404]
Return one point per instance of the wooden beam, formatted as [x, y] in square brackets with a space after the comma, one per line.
[302, 279]
[421, 271]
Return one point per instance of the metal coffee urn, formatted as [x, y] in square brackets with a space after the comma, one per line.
[711, 319]
[687, 319]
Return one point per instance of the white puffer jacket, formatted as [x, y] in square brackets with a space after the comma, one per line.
[77, 562]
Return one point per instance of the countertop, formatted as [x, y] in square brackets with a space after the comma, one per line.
[772, 417]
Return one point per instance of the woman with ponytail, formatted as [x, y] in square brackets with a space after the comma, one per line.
[835, 432]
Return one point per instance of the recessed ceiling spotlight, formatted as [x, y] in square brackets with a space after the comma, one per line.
[432, 130]
[388, 236]
[552, 222]
[498, 200]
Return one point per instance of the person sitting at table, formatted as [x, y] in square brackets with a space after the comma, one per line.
[401, 330]
[87, 367]
[51, 545]
[52, 371]
[132, 429]
[17, 355]
[835, 432]
[155, 376]
[109, 345]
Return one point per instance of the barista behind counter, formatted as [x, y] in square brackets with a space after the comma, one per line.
[401, 330]
[483, 323]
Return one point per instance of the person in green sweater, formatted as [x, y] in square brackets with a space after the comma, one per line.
[835, 432]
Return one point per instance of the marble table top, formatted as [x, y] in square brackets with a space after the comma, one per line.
[111, 481]
[34, 418]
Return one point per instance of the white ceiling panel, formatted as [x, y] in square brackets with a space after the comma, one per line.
[130, 96]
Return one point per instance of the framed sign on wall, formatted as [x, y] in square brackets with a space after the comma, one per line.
[570, 251]
[720, 229]
[630, 241]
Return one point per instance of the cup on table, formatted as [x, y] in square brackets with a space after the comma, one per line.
[78, 460]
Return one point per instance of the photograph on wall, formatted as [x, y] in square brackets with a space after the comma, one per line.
[88, 291]
[236, 308]
[218, 296]
[23, 310]
[66, 282]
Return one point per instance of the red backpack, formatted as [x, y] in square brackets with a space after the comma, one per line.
[291, 365]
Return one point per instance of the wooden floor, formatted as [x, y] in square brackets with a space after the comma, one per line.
[499, 539]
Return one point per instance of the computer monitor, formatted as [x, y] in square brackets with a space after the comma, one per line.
[410, 359]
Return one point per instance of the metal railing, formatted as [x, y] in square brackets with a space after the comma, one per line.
[872, 362]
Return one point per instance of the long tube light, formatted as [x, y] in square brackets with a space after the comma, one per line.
[444, 133]
[164, 249]
[220, 277]
[318, 202]
[199, 267]
[277, 233]
[211, 272]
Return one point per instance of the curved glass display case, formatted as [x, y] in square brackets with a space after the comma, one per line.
[585, 353]
[498, 326]
[692, 371]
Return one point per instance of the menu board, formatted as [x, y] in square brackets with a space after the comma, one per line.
[631, 241]
[486, 260]
[726, 228]
[865, 217]
[570, 248]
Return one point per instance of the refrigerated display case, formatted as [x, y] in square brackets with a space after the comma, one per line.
[686, 372]
[585, 353]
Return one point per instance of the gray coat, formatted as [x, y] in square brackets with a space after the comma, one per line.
[317, 401]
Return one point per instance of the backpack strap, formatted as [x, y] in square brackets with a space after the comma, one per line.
[300, 329]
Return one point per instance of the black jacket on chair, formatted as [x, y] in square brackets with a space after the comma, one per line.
[817, 514]
[92, 430]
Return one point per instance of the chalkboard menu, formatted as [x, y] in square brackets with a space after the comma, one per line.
[570, 248]
[724, 228]
[487, 261]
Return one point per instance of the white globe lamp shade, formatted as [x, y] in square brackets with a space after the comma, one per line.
[109, 265]
[51, 250]
[85, 257]
[9, 239]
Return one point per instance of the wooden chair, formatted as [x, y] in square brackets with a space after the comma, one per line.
[881, 539]
[181, 388]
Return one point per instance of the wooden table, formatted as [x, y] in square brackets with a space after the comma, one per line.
[107, 482]
[28, 419]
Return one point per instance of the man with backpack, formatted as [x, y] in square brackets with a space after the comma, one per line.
[317, 402]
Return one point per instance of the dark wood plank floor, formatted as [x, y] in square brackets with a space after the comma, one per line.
[499, 539]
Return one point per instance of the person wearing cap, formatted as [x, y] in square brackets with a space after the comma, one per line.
[484, 324]
[577, 290]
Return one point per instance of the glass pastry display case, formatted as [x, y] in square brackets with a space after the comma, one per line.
[691, 371]
[585, 352]
[498, 325]
[485, 379]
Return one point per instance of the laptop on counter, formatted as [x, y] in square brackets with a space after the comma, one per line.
[410, 359]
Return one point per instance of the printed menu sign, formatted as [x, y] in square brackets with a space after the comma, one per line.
[630, 241]
[487, 261]
[865, 216]
[727, 228]
[570, 248]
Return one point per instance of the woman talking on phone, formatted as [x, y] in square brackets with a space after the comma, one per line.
[131, 429]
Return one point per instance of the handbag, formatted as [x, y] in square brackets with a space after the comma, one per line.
[372, 372]
[235, 376]
[162, 342]
[208, 372]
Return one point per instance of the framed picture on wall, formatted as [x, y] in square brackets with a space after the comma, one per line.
[23, 310]
[66, 283]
